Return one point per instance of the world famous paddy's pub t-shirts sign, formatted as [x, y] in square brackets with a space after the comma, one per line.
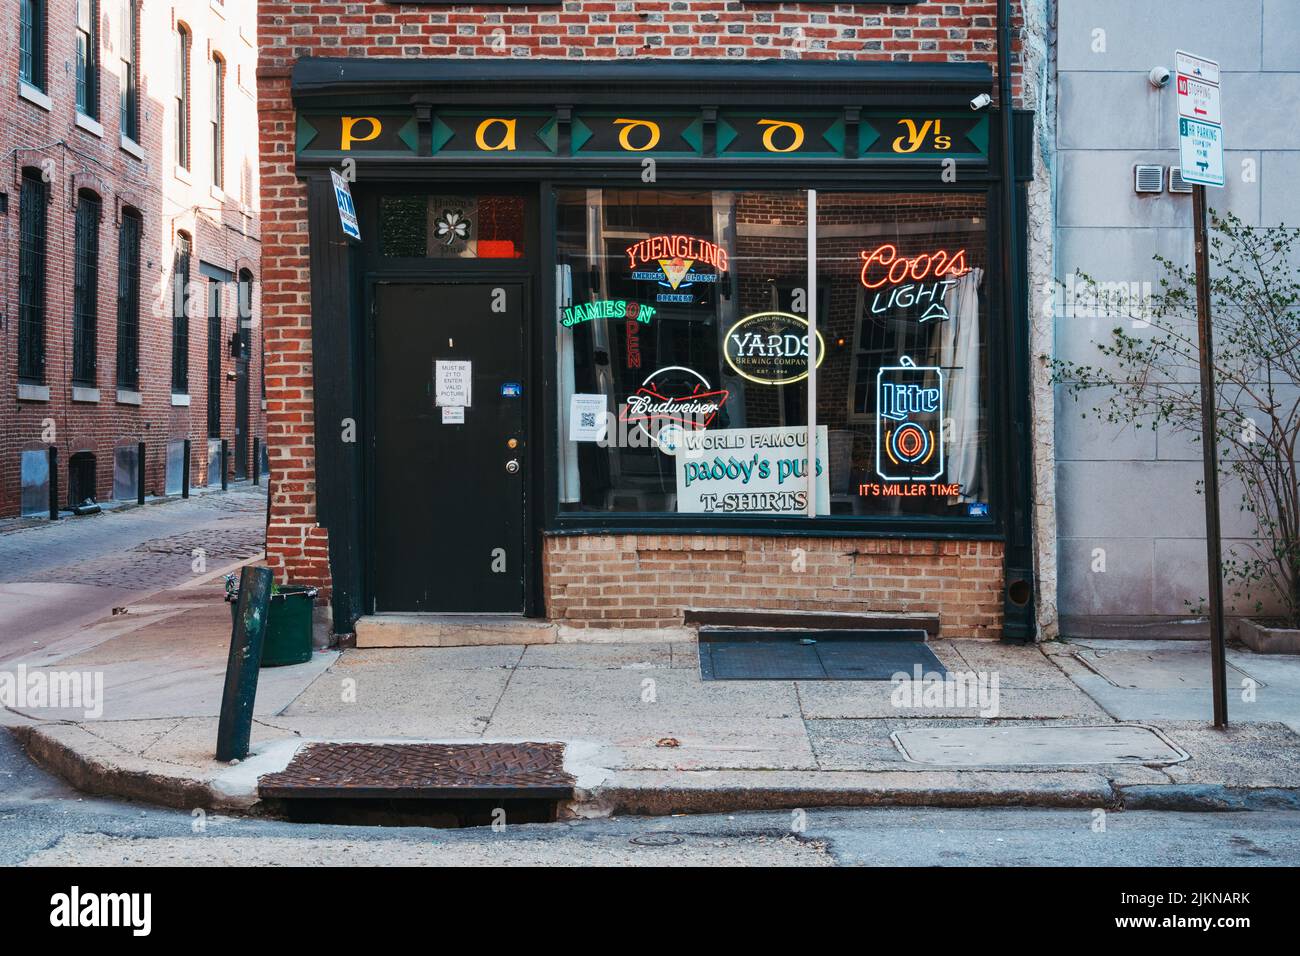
[739, 134]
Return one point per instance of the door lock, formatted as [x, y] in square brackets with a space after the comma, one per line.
[512, 466]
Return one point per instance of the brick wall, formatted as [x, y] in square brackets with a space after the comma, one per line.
[647, 580]
[958, 31]
[224, 228]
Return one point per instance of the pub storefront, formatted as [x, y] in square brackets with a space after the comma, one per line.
[628, 345]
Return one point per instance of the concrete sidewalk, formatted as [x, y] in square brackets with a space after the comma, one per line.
[644, 733]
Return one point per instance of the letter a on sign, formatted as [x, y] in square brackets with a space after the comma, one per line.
[347, 211]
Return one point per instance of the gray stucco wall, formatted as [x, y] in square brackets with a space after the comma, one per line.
[1127, 491]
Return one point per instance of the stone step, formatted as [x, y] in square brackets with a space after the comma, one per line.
[451, 630]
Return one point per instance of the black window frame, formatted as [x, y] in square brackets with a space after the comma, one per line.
[184, 46]
[218, 120]
[129, 79]
[85, 287]
[182, 258]
[31, 43]
[87, 57]
[214, 364]
[130, 235]
[34, 201]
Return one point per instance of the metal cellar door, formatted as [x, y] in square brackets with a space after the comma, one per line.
[449, 448]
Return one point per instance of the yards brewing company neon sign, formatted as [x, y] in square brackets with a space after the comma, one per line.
[676, 259]
[921, 281]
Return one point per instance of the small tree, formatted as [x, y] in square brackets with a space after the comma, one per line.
[1154, 382]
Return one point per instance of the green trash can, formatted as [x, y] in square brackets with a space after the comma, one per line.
[288, 623]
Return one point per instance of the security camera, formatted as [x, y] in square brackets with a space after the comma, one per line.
[981, 101]
[1158, 77]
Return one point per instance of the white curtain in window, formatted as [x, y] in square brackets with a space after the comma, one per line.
[958, 346]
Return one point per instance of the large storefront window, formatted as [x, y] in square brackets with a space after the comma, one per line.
[683, 353]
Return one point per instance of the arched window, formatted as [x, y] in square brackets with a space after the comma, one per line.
[182, 96]
[33, 206]
[31, 43]
[88, 58]
[181, 316]
[129, 71]
[85, 288]
[218, 121]
[128, 300]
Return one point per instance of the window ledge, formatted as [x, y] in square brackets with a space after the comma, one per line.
[83, 393]
[91, 126]
[217, 8]
[182, 174]
[179, 400]
[33, 393]
[129, 396]
[32, 95]
[131, 146]
[216, 192]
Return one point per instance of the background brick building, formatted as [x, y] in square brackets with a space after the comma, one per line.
[613, 579]
[91, 131]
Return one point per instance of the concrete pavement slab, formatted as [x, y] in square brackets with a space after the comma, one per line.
[598, 656]
[1007, 745]
[1260, 687]
[862, 699]
[1246, 755]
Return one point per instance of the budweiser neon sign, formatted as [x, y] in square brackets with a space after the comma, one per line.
[884, 265]
[676, 247]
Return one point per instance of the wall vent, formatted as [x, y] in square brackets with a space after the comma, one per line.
[1148, 179]
[1176, 182]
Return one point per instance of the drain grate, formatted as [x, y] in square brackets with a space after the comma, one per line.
[814, 655]
[422, 771]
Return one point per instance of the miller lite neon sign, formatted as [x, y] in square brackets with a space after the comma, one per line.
[909, 421]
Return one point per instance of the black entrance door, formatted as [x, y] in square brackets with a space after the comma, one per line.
[449, 479]
[241, 404]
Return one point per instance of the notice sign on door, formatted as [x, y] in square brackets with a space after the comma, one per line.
[451, 382]
[749, 471]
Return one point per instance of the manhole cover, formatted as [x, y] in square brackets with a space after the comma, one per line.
[423, 771]
[1037, 746]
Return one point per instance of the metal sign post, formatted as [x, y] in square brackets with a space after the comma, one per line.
[1200, 140]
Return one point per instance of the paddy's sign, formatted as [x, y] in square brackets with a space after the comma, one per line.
[498, 133]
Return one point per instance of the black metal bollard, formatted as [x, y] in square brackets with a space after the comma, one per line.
[54, 483]
[257, 460]
[185, 471]
[139, 473]
[225, 470]
[235, 725]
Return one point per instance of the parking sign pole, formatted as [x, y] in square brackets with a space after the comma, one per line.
[1210, 457]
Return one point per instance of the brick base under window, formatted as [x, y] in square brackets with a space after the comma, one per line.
[647, 580]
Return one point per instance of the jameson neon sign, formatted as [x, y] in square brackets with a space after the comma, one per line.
[606, 309]
[920, 281]
[676, 247]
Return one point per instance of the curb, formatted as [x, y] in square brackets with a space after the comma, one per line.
[93, 766]
[1207, 798]
[101, 777]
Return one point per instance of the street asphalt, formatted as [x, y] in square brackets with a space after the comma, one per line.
[43, 822]
[57, 576]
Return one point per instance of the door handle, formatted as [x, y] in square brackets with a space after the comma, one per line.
[512, 466]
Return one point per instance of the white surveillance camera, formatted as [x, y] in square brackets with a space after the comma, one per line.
[981, 101]
[1158, 77]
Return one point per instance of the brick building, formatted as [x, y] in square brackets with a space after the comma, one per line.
[128, 143]
[621, 265]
